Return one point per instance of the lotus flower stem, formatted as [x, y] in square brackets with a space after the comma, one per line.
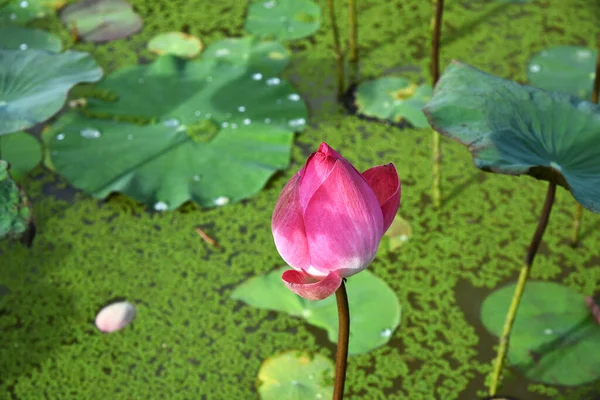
[578, 207]
[353, 40]
[341, 358]
[524, 274]
[337, 49]
[435, 75]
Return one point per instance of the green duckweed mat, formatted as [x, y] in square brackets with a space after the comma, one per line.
[190, 340]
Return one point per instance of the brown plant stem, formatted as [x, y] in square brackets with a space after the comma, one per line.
[524, 274]
[337, 50]
[353, 41]
[578, 207]
[341, 357]
[435, 75]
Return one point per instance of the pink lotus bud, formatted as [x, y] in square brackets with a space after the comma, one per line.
[329, 220]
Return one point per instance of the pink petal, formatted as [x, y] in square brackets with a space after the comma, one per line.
[384, 181]
[288, 225]
[343, 222]
[318, 167]
[115, 316]
[309, 288]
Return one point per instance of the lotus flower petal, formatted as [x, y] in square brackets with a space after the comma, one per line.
[309, 288]
[384, 181]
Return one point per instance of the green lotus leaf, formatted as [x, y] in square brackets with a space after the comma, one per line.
[295, 375]
[22, 151]
[102, 20]
[554, 339]
[268, 57]
[206, 130]
[30, 94]
[18, 38]
[393, 99]
[176, 43]
[366, 294]
[22, 11]
[16, 217]
[514, 129]
[566, 69]
[283, 19]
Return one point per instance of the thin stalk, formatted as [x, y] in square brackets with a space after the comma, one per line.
[578, 207]
[341, 357]
[435, 75]
[353, 40]
[512, 311]
[337, 51]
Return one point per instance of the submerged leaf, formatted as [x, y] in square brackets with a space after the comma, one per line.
[22, 151]
[102, 20]
[30, 94]
[176, 43]
[366, 292]
[566, 69]
[283, 19]
[209, 130]
[16, 216]
[514, 129]
[393, 99]
[295, 375]
[554, 339]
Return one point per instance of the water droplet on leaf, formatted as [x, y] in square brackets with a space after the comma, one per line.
[60, 136]
[297, 122]
[196, 178]
[161, 206]
[273, 81]
[23, 46]
[267, 120]
[171, 123]
[247, 121]
[221, 201]
[269, 4]
[257, 77]
[241, 108]
[198, 113]
[225, 124]
[548, 331]
[294, 97]
[535, 68]
[3, 103]
[233, 126]
[90, 133]
[386, 333]
[24, 4]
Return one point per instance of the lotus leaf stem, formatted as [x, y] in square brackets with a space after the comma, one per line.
[353, 40]
[341, 357]
[578, 207]
[435, 75]
[524, 274]
[337, 49]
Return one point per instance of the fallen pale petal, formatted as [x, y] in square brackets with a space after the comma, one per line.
[115, 316]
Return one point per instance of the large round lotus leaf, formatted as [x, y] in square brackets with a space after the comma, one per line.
[206, 130]
[176, 43]
[19, 38]
[554, 339]
[102, 20]
[514, 129]
[393, 99]
[374, 307]
[294, 375]
[15, 210]
[22, 151]
[22, 11]
[30, 94]
[566, 69]
[283, 19]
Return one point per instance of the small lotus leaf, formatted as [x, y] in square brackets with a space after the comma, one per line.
[102, 20]
[393, 99]
[515, 129]
[207, 130]
[398, 234]
[283, 19]
[22, 151]
[22, 11]
[566, 69]
[176, 43]
[16, 217]
[374, 307]
[554, 339]
[295, 375]
[30, 94]
[19, 38]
